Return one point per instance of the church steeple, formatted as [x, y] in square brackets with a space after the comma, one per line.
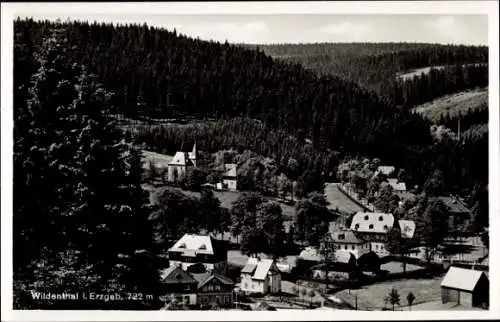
[193, 154]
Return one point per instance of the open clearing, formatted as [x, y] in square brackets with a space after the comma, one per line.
[372, 297]
[157, 159]
[425, 70]
[417, 72]
[338, 200]
[453, 104]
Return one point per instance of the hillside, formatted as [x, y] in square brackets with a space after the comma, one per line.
[452, 105]
[156, 73]
[376, 65]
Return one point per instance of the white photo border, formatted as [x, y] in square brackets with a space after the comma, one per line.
[10, 11]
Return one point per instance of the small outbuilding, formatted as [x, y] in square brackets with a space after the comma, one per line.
[466, 287]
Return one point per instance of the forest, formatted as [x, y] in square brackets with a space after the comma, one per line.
[224, 80]
[374, 65]
[77, 176]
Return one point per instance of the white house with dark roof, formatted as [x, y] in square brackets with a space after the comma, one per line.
[181, 164]
[229, 179]
[373, 228]
[198, 249]
[260, 276]
[347, 242]
[465, 287]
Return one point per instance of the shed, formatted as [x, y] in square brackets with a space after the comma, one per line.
[466, 287]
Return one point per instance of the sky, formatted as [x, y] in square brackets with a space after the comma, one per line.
[310, 28]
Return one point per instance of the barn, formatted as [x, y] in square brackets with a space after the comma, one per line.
[466, 287]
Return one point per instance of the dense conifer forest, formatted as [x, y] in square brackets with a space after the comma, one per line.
[209, 79]
[374, 65]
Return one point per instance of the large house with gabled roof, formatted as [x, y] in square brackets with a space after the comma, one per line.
[373, 228]
[194, 249]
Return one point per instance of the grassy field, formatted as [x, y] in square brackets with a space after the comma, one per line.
[372, 297]
[340, 201]
[417, 72]
[453, 104]
[158, 159]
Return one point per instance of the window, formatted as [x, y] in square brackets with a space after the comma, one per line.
[345, 246]
[380, 218]
[246, 285]
[356, 226]
[385, 227]
[371, 226]
[353, 248]
[366, 217]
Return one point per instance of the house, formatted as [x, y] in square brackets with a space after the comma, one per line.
[181, 165]
[260, 276]
[397, 186]
[346, 241]
[459, 213]
[199, 249]
[214, 288]
[466, 287]
[344, 267]
[373, 228]
[178, 283]
[385, 170]
[229, 177]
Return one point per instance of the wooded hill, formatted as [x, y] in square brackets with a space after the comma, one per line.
[375, 65]
[157, 72]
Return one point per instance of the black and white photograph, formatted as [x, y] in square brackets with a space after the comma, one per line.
[214, 162]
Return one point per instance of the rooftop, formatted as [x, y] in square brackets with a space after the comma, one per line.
[461, 278]
[175, 275]
[453, 204]
[182, 159]
[372, 222]
[345, 237]
[192, 244]
[230, 170]
[259, 267]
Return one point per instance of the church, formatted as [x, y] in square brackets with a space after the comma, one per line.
[182, 163]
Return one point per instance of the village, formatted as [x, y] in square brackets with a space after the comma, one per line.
[353, 267]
